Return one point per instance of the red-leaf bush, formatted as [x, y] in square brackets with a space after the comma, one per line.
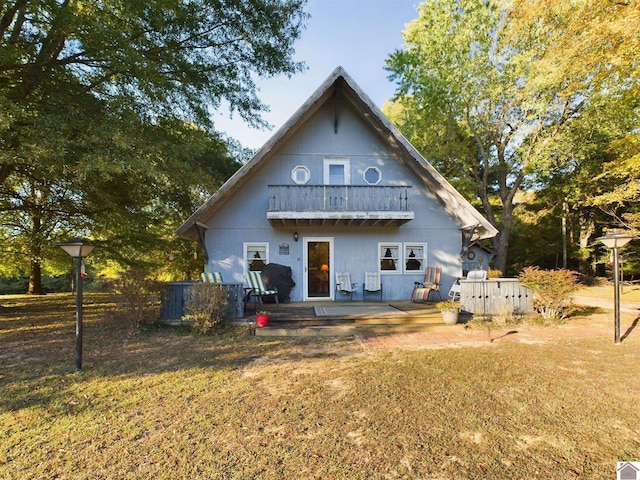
[552, 290]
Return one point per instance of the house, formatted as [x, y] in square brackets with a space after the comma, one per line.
[337, 189]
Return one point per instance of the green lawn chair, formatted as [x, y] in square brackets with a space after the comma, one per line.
[258, 289]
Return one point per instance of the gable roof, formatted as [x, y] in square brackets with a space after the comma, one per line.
[340, 82]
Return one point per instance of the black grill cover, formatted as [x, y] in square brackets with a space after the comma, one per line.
[278, 276]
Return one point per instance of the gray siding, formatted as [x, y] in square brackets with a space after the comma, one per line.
[242, 218]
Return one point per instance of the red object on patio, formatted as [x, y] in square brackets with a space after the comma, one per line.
[262, 320]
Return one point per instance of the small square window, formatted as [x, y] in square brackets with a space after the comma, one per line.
[372, 176]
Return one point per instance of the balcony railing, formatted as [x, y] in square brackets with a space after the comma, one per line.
[338, 198]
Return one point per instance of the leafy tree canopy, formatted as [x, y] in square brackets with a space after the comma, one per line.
[105, 111]
[489, 93]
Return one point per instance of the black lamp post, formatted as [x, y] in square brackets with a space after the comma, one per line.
[615, 240]
[78, 249]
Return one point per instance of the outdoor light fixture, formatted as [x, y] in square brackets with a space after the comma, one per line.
[614, 240]
[296, 236]
[78, 249]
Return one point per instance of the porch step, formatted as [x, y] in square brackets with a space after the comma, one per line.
[342, 330]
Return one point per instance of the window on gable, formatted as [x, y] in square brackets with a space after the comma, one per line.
[256, 256]
[300, 175]
[372, 176]
[390, 257]
[415, 255]
[337, 171]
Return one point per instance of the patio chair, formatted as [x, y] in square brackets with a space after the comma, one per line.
[477, 275]
[454, 291]
[344, 286]
[258, 289]
[372, 284]
[422, 290]
[212, 277]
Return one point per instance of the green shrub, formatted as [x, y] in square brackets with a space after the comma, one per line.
[552, 290]
[206, 306]
[137, 298]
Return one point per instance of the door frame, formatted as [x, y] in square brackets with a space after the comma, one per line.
[305, 267]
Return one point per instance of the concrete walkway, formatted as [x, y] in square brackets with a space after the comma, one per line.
[625, 305]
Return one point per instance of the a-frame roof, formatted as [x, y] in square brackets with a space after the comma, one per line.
[340, 82]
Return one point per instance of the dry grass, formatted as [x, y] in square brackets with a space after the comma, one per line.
[165, 404]
[628, 292]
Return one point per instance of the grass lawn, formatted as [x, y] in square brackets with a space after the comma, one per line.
[627, 292]
[165, 404]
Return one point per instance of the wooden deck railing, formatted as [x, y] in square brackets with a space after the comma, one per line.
[325, 198]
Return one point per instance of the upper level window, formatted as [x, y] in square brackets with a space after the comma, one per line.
[337, 171]
[300, 175]
[256, 256]
[372, 176]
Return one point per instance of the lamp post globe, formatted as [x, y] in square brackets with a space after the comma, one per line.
[78, 249]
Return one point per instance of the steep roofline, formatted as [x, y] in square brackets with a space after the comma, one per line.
[451, 200]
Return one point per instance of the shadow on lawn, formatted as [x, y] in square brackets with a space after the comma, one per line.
[630, 329]
[37, 360]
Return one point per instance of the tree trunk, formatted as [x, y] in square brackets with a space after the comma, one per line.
[35, 279]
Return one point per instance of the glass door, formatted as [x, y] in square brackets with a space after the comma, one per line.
[318, 267]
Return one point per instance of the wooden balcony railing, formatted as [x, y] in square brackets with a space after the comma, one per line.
[337, 198]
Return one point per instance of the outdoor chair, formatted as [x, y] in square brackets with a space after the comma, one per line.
[344, 287]
[258, 289]
[422, 290]
[454, 291]
[212, 277]
[477, 275]
[372, 284]
[473, 275]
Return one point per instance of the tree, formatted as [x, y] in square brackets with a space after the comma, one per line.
[87, 87]
[478, 96]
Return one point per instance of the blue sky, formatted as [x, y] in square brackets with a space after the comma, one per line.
[358, 35]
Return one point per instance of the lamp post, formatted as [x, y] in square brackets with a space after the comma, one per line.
[78, 249]
[615, 240]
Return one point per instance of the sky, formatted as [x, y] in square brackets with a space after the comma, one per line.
[358, 35]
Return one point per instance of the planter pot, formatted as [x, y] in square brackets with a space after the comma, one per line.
[450, 317]
[262, 320]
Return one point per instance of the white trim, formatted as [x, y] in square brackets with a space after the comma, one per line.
[345, 162]
[307, 174]
[423, 259]
[305, 266]
[364, 175]
[245, 248]
[397, 260]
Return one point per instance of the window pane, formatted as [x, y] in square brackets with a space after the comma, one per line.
[336, 175]
[389, 257]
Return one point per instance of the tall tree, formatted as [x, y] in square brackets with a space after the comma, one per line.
[476, 96]
[85, 86]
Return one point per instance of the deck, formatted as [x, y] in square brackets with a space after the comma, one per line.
[299, 319]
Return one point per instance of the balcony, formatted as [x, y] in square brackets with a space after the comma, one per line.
[338, 205]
